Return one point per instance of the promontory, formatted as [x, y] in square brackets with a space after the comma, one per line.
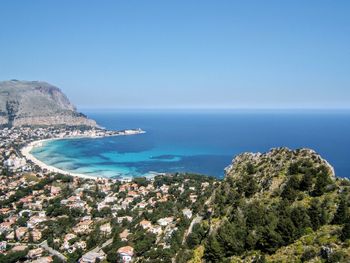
[37, 103]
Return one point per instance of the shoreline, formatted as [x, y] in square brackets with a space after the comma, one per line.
[26, 152]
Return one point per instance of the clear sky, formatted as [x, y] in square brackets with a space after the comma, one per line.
[174, 54]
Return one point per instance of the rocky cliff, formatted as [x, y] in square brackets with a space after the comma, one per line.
[279, 206]
[36, 103]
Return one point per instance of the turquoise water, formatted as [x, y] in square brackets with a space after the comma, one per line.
[200, 142]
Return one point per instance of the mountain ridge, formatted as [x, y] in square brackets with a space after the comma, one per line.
[37, 103]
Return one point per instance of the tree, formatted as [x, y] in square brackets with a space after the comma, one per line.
[141, 181]
[301, 219]
[286, 230]
[251, 187]
[232, 238]
[322, 181]
[250, 168]
[73, 257]
[290, 190]
[341, 215]
[317, 214]
[306, 182]
[196, 236]
[22, 221]
[270, 240]
[308, 254]
[112, 256]
[57, 260]
[213, 250]
[15, 234]
[293, 168]
[13, 257]
[247, 185]
[94, 238]
[345, 233]
[143, 242]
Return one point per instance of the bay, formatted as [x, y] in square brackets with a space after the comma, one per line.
[202, 142]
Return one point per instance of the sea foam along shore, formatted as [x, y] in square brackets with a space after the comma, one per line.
[26, 152]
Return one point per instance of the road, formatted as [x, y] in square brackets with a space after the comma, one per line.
[43, 245]
[195, 220]
[52, 251]
[98, 248]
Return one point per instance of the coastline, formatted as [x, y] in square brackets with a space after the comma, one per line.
[26, 152]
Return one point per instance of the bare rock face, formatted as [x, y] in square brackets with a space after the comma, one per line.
[35, 103]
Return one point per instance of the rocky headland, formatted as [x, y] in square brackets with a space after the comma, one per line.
[36, 103]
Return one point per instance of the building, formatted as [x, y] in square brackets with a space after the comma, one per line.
[92, 257]
[83, 227]
[106, 228]
[124, 235]
[165, 221]
[47, 259]
[122, 218]
[35, 253]
[36, 235]
[145, 224]
[125, 254]
[55, 190]
[5, 226]
[187, 212]
[156, 230]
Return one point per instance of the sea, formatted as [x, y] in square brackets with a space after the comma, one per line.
[197, 141]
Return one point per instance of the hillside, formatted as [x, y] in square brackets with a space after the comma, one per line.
[35, 103]
[281, 206]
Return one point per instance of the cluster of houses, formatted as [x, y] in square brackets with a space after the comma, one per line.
[25, 202]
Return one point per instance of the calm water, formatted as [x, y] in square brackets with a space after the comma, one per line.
[200, 142]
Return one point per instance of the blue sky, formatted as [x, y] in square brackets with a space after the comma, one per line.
[182, 54]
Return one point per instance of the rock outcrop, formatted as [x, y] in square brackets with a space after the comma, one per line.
[275, 207]
[269, 169]
[36, 103]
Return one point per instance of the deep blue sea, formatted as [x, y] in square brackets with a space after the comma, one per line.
[198, 141]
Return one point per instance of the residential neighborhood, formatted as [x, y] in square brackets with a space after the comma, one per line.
[51, 217]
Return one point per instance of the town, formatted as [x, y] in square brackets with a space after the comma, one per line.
[51, 217]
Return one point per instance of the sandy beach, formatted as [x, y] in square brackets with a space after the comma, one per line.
[29, 147]
[26, 153]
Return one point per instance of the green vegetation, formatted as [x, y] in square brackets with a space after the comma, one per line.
[283, 206]
[145, 243]
[13, 257]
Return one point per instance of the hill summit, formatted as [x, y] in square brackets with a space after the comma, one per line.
[37, 103]
[280, 206]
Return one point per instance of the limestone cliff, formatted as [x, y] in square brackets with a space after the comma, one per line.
[36, 103]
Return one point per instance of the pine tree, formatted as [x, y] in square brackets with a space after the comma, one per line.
[15, 234]
[345, 233]
[322, 181]
[306, 182]
[341, 215]
[213, 250]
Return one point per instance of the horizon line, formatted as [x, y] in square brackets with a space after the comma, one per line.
[212, 108]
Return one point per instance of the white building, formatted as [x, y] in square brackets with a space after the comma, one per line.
[92, 257]
[125, 254]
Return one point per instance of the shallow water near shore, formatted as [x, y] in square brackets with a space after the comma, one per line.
[197, 141]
